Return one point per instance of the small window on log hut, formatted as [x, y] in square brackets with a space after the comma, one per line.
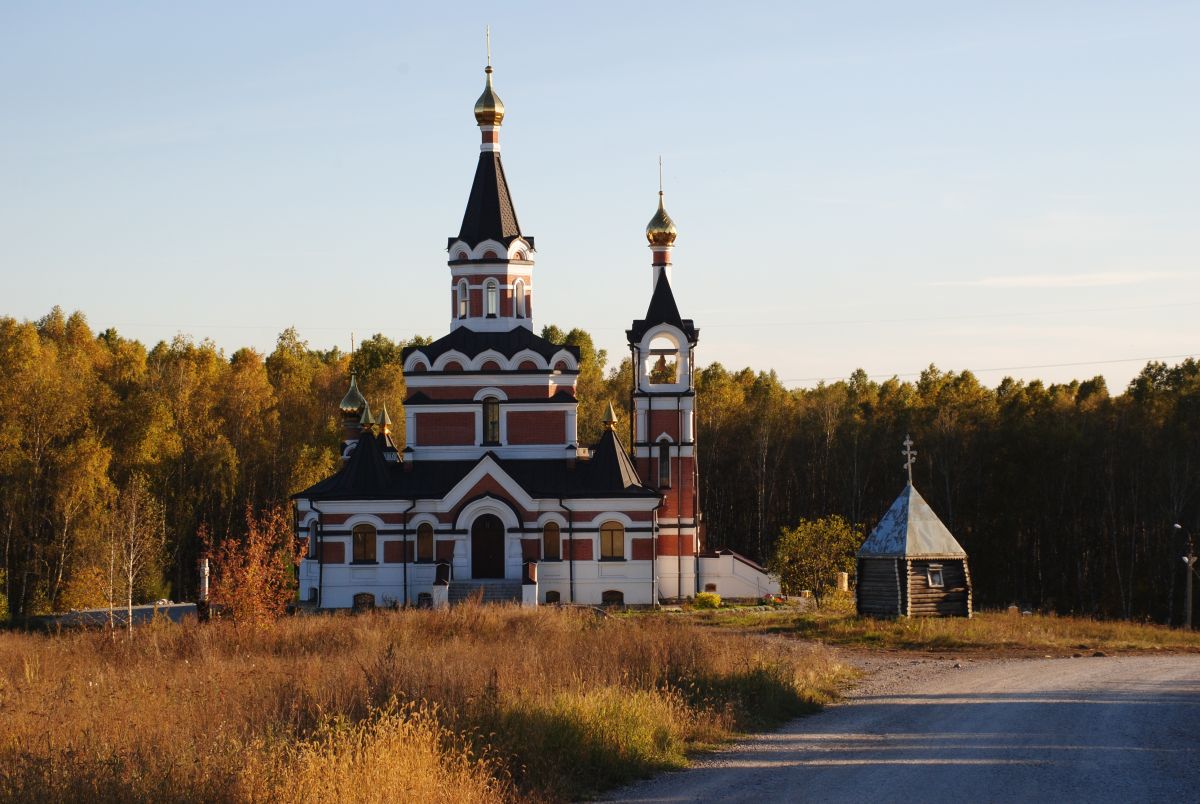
[553, 597]
[934, 574]
[612, 597]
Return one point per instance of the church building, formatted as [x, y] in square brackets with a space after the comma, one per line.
[493, 494]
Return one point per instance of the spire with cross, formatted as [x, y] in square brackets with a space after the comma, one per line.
[909, 456]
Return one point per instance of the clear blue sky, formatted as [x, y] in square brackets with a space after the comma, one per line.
[877, 185]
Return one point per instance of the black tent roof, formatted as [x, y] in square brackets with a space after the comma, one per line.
[490, 214]
[663, 310]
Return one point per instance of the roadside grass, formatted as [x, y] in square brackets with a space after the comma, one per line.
[986, 631]
[467, 704]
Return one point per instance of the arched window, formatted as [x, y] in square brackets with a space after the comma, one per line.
[492, 295]
[491, 420]
[553, 597]
[364, 544]
[551, 542]
[464, 303]
[612, 597]
[662, 361]
[664, 464]
[424, 542]
[519, 298]
[612, 541]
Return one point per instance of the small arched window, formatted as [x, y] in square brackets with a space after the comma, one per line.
[492, 297]
[364, 544]
[553, 597]
[464, 299]
[551, 542]
[612, 541]
[491, 420]
[519, 298]
[664, 464]
[425, 542]
[662, 361]
[612, 597]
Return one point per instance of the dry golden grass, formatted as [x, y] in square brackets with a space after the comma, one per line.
[986, 631]
[471, 704]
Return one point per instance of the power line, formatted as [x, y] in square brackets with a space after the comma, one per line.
[1007, 368]
[799, 323]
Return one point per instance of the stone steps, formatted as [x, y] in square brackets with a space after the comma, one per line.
[494, 591]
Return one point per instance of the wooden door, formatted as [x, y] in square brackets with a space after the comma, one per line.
[487, 547]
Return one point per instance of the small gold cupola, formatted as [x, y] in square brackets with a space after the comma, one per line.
[489, 109]
[660, 231]
[353, 402]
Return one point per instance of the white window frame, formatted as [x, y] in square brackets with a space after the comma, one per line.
[464, 299]
[491, 298]
[519, 298]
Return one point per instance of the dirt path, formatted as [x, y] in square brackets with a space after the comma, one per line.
[1084, 729]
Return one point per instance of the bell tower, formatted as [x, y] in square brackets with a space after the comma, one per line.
[662, 349]
[491, 263]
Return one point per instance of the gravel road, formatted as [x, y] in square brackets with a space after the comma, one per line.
[1080, 729]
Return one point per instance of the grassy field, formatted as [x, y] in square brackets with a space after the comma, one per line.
[990, 632]
[469, 704]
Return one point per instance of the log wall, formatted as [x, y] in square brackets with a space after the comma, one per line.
[952, 600]
[880, 590]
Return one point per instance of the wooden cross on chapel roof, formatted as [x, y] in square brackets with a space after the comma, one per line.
[909, 456]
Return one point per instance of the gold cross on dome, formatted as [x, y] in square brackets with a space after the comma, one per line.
[909, 456]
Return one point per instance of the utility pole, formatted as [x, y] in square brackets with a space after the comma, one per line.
[1190, 561]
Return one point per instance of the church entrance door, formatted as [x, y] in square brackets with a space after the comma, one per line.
[487, 547]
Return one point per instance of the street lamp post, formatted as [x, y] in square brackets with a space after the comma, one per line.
[1190, 561]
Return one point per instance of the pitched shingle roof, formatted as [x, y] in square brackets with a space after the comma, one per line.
[472, 343]
[910, 528]
[368, 476]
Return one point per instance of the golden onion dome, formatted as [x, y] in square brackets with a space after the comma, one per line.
[353, 402]
[660, 231]
[489, 109]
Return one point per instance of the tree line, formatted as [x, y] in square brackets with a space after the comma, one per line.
[1063, 495]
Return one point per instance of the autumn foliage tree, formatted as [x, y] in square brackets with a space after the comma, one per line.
[253, 576]
[810, 554]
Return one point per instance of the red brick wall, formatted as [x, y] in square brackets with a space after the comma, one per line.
[486, 485]
[531, 549]
[444, 551]
[643, 549]
[393, 552]
[333, 553]
[468, 392]
[334, 519]
[668, 544]
[580, 549]
[537, 427]
[663, 421]
[392, 519]
[445, 429]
